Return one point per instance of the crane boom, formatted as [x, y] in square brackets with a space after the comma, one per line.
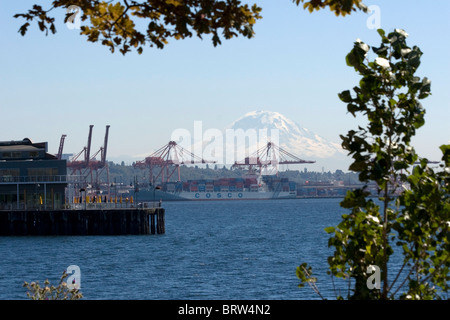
[61, 146]
[88, 148]
[105, 146]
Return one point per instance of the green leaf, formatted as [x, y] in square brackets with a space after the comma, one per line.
[24, 28]
[330, 229]
[392, 102]
[345, 96]
[381, 51]
[381, 32]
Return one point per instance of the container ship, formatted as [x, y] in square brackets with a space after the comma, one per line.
[254, 185]
[250, 187]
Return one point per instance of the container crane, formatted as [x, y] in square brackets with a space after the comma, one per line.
[167, 160]
[80, 166]
[268, 158]
[97, 167]
[89, 166]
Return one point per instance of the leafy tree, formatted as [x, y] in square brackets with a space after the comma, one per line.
[116, 24]
[412, 213]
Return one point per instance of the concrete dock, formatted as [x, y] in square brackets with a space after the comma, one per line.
[83, 222]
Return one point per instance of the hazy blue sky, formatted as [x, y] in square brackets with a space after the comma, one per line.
[60, 84]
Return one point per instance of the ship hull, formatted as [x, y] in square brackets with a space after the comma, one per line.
[158, 195]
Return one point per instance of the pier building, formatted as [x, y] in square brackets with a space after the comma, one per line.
[30, 177]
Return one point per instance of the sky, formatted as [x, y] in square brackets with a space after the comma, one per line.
[295, 65]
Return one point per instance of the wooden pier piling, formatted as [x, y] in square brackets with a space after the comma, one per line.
[83, 222]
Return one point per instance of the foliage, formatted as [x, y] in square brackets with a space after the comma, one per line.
[412, 212]
[339, 7]
[115, 23]
[132, 24]
[61, 292]
[424, 229]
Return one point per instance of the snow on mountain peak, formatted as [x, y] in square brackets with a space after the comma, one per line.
[292, 137]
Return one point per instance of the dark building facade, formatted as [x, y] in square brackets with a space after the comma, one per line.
[30, 177]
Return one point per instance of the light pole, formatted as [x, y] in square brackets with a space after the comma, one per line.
[83, 190]
[37, 195]
[154, 196]
[136, 191]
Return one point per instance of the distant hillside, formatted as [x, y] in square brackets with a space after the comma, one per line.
[126, 174]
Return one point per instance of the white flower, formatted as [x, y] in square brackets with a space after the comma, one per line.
[426, 81]
[382, 62]
[362, 45]
[402, 32]
[392, 76]
[374, 219]
[404, 52]
[365, 47]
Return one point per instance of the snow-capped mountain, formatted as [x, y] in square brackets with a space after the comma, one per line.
[292, 137]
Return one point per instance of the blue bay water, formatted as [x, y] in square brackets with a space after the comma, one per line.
[211, 250]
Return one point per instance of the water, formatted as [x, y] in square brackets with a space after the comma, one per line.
[211, 250]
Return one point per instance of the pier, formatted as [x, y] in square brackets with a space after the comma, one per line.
[121, 221]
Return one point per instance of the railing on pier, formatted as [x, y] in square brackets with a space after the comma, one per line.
[14, 206]
[41, 179]
[32, 179]
[112, 205]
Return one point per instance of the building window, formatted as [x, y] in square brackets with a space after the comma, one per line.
[11, 155]
[43, 171]
[34, 154]
[8, 175]
[42, 174]
[9, 172]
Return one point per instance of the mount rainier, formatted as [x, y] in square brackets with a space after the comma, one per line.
[295, 139]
